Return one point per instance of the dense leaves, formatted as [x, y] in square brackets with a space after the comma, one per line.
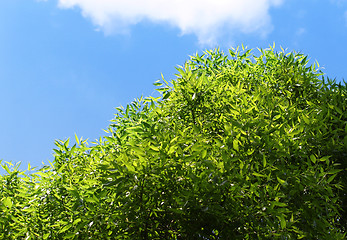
[236, 147]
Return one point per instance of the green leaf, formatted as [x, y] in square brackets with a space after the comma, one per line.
[138, 150]
[77, 140]
[279, 204]
[130, 167]
[313, 158]
[204, 153]
[46, 236]
[163, 89]
[331, 178]
[154, 148]
[7, 202]
[166, 95]
[57, 151]
[6, 168]
[91, 199]
[259, 175]
[264, 161]
[334, 171]
[65, 228]
[306, 120]
[172, 149]
[324, 159]
[236, 145]
[338, 110]
[174, 139]
[77, 221]
[276, 117]
[110, 139]
[282, 221]
[69, 235]
[281, 181]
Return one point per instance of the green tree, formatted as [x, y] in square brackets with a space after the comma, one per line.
[236, 147]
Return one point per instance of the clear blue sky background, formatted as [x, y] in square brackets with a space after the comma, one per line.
[66, 64]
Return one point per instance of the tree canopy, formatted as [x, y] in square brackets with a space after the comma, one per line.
[237, 146]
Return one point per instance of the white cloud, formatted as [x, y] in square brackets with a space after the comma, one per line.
[207, 19]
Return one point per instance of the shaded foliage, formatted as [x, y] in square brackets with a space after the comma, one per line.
[236, 147]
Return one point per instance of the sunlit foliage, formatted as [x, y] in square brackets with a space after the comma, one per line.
[238, 146]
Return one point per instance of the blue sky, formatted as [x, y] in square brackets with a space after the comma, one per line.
[66, 64]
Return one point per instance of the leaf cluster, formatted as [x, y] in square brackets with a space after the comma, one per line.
[242, 146]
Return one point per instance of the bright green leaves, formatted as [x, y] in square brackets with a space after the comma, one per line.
[259, 175]
[236, 145]
[239, 140]
[264, 161]
[7, 202]
[154, 148]
[281, 181]
[306, 119]
[325, 159]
